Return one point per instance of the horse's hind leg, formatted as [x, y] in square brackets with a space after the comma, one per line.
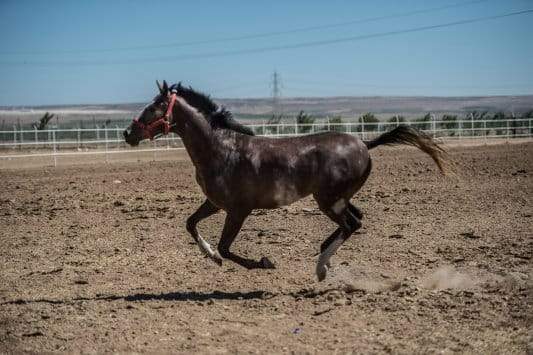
[356, 212]
[232, 226]
[205, 210]
[341, 213]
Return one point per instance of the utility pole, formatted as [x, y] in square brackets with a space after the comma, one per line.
[276, 94]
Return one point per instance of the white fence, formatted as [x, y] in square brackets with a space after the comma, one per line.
[81, 141]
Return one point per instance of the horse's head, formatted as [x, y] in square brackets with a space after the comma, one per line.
[154, 119]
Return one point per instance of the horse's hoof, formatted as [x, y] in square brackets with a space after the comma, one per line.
[217, 258]
[266, 264]
[321, 272]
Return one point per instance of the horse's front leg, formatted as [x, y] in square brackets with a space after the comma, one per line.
[232, 226]
[205, 210]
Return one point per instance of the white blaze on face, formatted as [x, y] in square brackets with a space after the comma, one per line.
[339, 206]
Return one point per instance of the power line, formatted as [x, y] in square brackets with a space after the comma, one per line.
[270, 48]
[249, 36]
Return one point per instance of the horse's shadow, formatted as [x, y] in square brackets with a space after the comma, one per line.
[198, 296]
[171, 296]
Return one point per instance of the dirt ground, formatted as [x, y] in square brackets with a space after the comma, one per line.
[96, 258]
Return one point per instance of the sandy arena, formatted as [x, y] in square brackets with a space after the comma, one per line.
[96, 258]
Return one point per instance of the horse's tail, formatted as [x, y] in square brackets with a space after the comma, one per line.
[411, 136]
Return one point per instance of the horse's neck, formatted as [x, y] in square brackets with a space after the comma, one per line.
[195, 132]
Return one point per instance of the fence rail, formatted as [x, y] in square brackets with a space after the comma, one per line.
[80, 141]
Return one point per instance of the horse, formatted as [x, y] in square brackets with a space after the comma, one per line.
[239, 172]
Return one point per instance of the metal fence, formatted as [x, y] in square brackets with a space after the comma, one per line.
[108, 140]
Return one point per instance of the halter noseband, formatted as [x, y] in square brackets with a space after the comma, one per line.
[149, 131]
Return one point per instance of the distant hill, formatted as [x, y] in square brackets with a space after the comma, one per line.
[408, 106]
[261, 108]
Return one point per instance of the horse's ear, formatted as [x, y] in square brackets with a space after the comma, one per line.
[159, 87]
[165, 86]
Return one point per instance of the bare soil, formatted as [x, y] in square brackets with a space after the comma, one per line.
[96, 258]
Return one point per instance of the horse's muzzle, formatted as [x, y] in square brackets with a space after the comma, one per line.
[130, 138]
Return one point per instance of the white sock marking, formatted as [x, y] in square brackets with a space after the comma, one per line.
[323, 259]
[205, 247]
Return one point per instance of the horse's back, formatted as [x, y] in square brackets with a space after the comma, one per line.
[329, 158]
[321, 139]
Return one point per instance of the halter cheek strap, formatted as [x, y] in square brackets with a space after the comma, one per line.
[160, 125]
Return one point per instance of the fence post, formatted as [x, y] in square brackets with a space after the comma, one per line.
[106, 143]
[54, 144]
[507, 124]
[485, 130]
[295, 127]
[14, 136]
[79, 138]
[433, 124]
[117, 133]
[472, 124]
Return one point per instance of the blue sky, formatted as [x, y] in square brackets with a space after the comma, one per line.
[70, 52]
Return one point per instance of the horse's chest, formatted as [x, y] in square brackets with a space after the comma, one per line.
[201, 182]
[215, 188]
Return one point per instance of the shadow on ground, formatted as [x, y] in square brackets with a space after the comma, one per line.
[171, 296]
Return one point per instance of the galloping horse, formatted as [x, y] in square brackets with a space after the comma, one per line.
[239, 172]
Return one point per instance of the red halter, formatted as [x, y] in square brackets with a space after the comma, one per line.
[150, 130]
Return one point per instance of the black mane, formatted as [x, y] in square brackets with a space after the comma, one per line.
[217, 116]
